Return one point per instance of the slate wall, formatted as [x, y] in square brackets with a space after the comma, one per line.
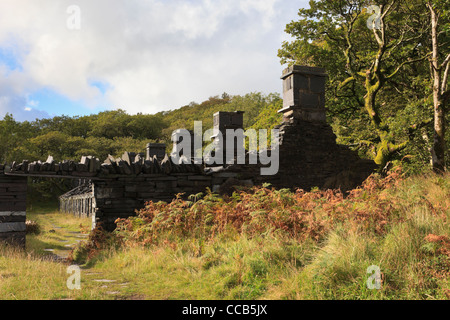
[121, 196]
[13, 204]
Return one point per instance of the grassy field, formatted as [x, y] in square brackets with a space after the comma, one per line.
[262, 244]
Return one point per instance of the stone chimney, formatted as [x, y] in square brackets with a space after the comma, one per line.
[233, 121]
[304, 94]
[156, 149]
[228, 120]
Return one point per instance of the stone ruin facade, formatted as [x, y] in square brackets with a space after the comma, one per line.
[13, 206]
[309, 154]
[308, 157]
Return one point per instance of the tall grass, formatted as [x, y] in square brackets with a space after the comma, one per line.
[263, 243]
[310, 245]
[25, 276]
[32, 274]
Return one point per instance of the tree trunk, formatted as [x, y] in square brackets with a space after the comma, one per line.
[439, 147]
[438, 154]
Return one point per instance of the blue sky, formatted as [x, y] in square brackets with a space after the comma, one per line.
[54, 103]
[9, 58]
[82, 57]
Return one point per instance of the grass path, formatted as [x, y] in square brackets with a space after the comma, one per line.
[58, 235]
[41, 273]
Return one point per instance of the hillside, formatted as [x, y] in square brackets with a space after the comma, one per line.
[114, 132]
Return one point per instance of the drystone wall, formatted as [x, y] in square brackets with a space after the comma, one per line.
[119, 186]
[120, 194]
[89, 167]
[310, 157]
[120, 197]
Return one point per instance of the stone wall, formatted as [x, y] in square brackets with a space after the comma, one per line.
[121, 196]
[117, 195]
[310, 157]
[13, 204]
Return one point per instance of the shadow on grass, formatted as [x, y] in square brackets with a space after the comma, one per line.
[38, 246]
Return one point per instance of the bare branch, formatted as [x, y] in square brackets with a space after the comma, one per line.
[380, 41]
[347, 51]
[346, 82]
[405, 63]
[446, 61]
[445, 78]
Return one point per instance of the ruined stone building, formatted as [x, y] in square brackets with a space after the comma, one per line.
[308, 157]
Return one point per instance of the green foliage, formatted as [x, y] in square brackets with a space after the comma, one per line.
[269, 117]
[114, 132]
[379, 96]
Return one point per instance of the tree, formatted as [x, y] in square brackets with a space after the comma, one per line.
[14, 134]
[364, 61]
[439, 15]
[57, 144]
[110, 124]
[145, 126]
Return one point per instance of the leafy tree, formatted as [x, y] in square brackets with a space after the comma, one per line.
[9, 129]
[57, 144]
[269, 116]
[110, 124]
[363, 60]
[146, 126]
[14, 134]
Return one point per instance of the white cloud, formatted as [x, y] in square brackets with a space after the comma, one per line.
[33, 103]
[13, 97]
[152, 54]
[17, 106]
